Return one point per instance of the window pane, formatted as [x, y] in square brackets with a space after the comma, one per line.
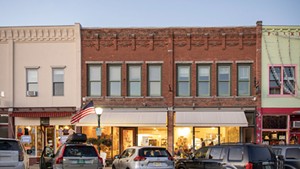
[203, 73]
[95, 89]
[244, 89]
[203, 89]
[58, 75]
[135, 89]
[235, 154]
[275, 73]
[183, 89]
[33, 87]
[183, 73]
[115, 89]
[135, 73]
[58, 89]
[155, 89]
[154, 73]
[223, 89]
[94, 72]
[224, 73]
[32, 75]
[244, 73]
[115, 73]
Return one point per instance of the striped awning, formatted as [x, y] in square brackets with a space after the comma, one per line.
[41, 114]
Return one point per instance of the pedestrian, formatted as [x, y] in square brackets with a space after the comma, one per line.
[202, 142]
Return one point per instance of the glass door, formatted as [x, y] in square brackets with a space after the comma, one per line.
[128, 137]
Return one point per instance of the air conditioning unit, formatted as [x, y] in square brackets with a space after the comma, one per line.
[31, 93]
[296, 124]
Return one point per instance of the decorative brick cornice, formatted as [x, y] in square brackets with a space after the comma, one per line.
[31, 34]
[152, 38]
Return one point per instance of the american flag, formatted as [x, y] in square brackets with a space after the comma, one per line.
[87, 109]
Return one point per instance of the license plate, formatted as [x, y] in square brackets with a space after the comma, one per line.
[157, 164]
[81, 161]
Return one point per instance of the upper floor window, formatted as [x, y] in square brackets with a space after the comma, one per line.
[224, 80]
[203, 80]
[58, 81]
[281, 80]
[244, 80]
[134, 80]
[154, 80]
[94, 80]
[183, 80]
[114, 80]
[32, 81]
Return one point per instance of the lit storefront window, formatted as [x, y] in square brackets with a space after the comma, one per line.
[151, 136]
[274, 130]
[26, 134]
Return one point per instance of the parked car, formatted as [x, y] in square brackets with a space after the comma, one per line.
[13, 154]
[74, 154]
[290, 153]
[230, 156]
[149, 157]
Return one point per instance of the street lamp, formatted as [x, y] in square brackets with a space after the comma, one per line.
[99, 111]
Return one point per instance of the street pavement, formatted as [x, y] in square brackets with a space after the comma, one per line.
[36, 166]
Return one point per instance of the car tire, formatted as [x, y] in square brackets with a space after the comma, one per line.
[113, 167]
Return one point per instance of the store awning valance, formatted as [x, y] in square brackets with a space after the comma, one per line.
[214, 118]
[41, 114]
[126, 119]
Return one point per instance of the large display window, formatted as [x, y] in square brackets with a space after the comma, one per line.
[274, 129]
[152, 136]
[27, 136]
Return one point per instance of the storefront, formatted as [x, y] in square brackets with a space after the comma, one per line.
[37, 130]
[280, 126]
[4, 125]
[121, 129]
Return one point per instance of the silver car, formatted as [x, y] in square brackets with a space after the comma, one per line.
[74, 154]
[139, 157]
[13, 154]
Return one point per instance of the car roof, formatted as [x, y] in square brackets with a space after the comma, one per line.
[11, 139]
[140, 147]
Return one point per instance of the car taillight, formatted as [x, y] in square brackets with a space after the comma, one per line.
[21, 156]
[100, 159]
[249, 166]
[59, 160]
[139, 158]
[170, 158]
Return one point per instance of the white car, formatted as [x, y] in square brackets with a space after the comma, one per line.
[13, 154]
[149, 157]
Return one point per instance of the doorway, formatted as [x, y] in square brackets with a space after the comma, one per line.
[128, 137]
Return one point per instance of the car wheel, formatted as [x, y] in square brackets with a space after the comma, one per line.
[113, 167]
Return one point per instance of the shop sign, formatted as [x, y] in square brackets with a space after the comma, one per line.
[26, 139]
[98, 131]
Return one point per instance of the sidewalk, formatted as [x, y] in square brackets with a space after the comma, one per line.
[36, 166]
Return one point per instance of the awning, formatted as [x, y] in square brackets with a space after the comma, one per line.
[126, 119]
[41, 114]
[214, 118]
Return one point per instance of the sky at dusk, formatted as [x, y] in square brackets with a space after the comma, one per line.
[149, 13]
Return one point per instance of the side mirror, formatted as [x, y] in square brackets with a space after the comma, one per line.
[116, 157]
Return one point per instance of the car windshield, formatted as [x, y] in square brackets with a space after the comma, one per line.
[9, 145]
[80, 151]
[260, 154]
[153, 152]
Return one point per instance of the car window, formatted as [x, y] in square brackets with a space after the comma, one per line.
[260, 154]
[216, 153]
[235, 153]
[201, 153]
[9, 145]
[292, 153]
[153, 152]
[80, 151]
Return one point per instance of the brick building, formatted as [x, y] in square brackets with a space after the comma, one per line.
[172, 86]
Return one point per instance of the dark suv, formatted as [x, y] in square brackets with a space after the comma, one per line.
[290, 153]
[231, 156]
[75, 153]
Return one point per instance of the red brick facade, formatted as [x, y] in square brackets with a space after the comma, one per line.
[170, 46]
